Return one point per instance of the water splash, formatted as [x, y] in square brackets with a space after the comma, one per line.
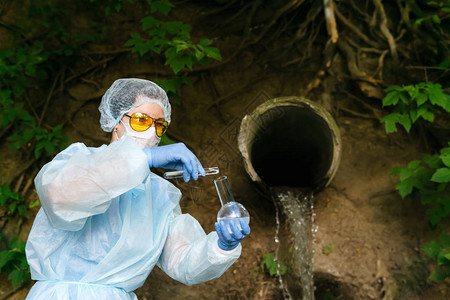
[283, 287]
[298, 207]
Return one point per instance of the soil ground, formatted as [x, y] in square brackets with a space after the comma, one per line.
[376, 236]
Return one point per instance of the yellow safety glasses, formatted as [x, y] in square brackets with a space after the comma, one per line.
[142, 122]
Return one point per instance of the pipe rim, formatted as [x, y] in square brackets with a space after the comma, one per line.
[245, 135]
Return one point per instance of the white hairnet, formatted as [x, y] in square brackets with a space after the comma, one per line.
[121, 97]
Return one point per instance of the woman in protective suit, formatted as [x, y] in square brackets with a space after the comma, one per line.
[106, 220]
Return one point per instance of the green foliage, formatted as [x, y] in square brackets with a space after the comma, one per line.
[171, 86]
[428, 179]
[17, 66]
[413, 102]
[25, 65]
[441, 252]
[113, 5]
[271, 266]
[13, 261]
[439, 9]
[13, 201]
[173, 39]
[48, 140]
[328, 248]
[165, 140]
[13, 113]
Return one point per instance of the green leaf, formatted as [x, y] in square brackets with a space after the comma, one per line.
[433, 161]
[444, 238]
[268, 258]
[443, 258]
[425, 114]
[174, 27]
[49, 147]
[213, 52]
[23, 211]
[391, 99]
[176, 65]
[421, 99]
[199, 55]
[12, 207]
[149, 22]
[414, 164]
[273, 269]
[413, 115]
[446, 159]
[433, 216]
[36, 202]
[5, 257]
[436, 19]
[405, 173]
[393, 88]
[283, 269]
[432, 249]
[163, 6]
[395, 170]
[205, 42]
[441, 175]
[406, 122]
[436, 96]
[420, 20]
[405, 187]
[438, 275]
[443, 64]
[404, 96]
[17, 244]
[17, 277]
[165, 140]
[390, 122]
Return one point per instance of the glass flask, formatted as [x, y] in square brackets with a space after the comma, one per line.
[231, 211]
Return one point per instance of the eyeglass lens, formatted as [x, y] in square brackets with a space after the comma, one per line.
[142, 122]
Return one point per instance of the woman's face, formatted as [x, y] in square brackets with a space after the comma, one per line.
[151, 109]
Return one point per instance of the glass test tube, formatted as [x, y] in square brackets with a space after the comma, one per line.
[179, 174]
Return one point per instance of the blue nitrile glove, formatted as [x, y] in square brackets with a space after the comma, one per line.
[228, 241]
[175, 156]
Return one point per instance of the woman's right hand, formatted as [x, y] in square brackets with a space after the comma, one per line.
[175, 156]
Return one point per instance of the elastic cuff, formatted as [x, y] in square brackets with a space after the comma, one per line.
[225, 252]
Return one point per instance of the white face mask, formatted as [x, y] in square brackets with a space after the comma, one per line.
[144, 139]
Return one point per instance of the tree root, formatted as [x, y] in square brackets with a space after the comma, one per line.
[329, 8]
[367, 84]
[291, 5]
[357, 114]
[355, 29]
[384, 29]
[92, 67]
[374, 111]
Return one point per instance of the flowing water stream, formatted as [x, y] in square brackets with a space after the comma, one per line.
[298, 209]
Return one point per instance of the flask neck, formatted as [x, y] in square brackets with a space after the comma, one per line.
[223, 190]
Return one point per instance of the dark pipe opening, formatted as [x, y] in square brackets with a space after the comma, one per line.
[292, 147]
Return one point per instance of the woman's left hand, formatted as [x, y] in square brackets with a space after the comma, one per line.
[230, 240]
[175, 156]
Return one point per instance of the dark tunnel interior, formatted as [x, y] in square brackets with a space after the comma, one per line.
[293, 147]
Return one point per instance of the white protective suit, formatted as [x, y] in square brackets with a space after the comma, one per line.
[105, 222]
